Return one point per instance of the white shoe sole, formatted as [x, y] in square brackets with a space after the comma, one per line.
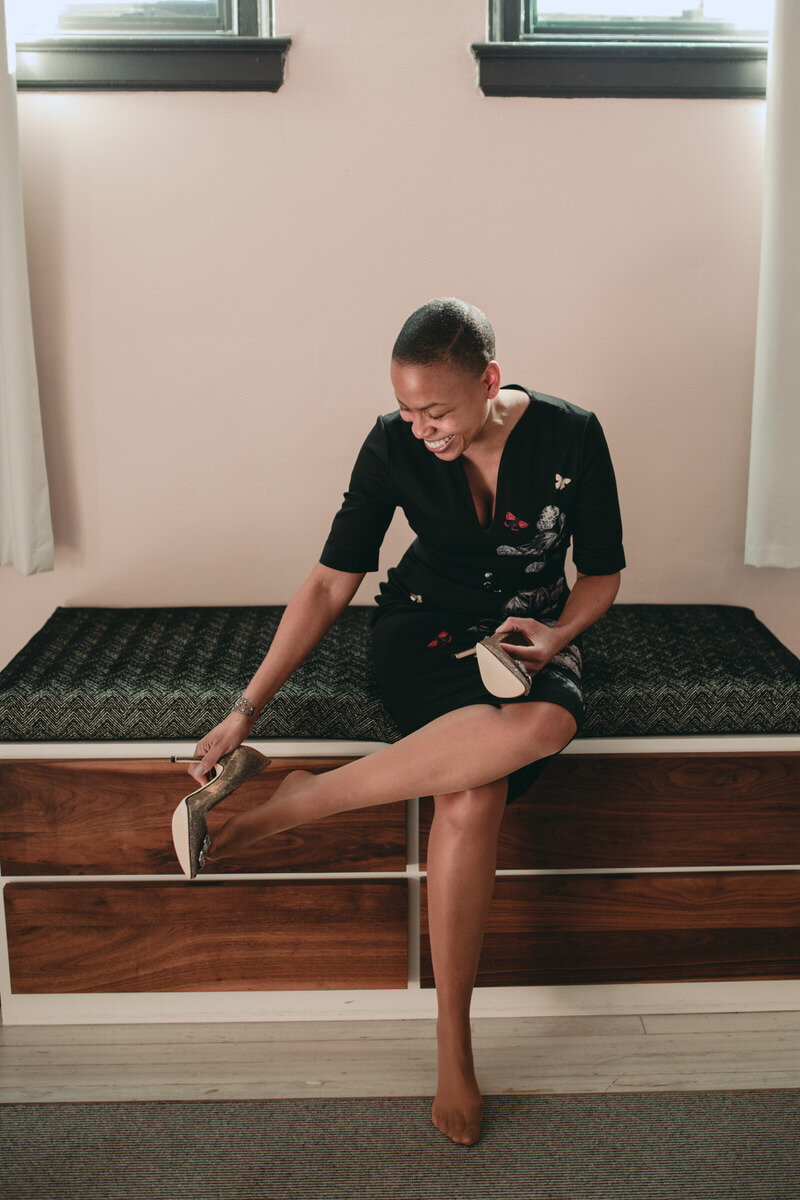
[496, 676]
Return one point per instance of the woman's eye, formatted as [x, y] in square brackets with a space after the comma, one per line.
[434, 416]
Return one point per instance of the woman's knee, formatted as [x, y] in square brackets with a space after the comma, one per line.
[482, 804]
[542, 723]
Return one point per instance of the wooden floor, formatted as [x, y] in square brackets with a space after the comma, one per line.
[266, 1060]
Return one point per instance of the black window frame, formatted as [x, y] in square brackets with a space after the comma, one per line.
[245, 59]
[583, 59]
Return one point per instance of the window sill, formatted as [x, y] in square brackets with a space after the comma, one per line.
[234, 64]
[595, 67]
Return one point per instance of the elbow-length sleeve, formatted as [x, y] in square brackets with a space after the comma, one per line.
[597, 524]
[360, 525]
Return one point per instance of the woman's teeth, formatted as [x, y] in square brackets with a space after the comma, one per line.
[440, 444]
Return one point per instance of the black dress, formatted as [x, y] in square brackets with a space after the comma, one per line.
[459, 580]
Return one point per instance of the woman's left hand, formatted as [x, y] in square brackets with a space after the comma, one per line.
[542, 642]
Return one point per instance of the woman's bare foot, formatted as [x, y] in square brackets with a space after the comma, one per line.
[284, 810]
[457, 1110]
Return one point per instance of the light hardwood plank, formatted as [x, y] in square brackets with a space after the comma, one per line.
[701, 1022]
[267, 1060]
[267, 1032]
[733, 1081]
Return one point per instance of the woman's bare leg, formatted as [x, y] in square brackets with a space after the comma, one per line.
[463, 749]
[462, 856]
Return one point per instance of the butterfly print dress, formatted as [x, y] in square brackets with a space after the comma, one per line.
[459, 580]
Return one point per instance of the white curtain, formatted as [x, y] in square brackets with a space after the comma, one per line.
[772, 534]
[26, 533]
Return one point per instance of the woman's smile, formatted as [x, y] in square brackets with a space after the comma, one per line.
[440, 444]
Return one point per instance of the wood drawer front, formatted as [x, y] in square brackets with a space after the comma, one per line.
[235, 935]
[114, 817]
[655, 928]
[651, 810]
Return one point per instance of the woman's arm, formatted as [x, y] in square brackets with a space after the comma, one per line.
[591, 596]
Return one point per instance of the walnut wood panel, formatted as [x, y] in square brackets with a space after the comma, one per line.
[227, 935]
[687, 926]
[113, 817]
[651, 810]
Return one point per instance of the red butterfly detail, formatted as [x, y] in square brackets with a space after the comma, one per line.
[515, 522]
[441, 638]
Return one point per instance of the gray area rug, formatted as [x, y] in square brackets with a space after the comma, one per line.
[712, 1145]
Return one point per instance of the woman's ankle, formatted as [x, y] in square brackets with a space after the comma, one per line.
[223, 839]
[454, 1030]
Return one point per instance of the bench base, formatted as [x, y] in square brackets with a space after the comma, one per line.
[672, 863]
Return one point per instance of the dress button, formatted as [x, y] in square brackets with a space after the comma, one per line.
[488, 574]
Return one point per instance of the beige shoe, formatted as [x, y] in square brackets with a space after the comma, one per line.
[501, 674]
[189, 833]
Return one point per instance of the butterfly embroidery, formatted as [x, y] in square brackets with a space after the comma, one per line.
[550, 532]
[515, 523]
[440, 638]
[561, 482]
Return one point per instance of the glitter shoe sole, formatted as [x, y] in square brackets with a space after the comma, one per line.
[189, 833]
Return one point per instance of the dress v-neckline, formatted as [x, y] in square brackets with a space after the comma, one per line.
[459, 464]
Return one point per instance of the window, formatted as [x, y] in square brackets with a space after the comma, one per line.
[52, 18]
[153, 44]
[698, 48]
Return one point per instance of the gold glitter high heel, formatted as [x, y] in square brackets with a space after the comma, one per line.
[189, 833]
[501, 674]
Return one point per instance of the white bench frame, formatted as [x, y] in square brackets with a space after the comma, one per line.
[412, 1002]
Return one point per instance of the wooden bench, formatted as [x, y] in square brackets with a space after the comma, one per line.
[654, 867]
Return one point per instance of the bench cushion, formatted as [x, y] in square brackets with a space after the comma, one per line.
[127, 674]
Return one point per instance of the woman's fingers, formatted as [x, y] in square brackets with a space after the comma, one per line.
[515, 651]
[200, 770]
[524, 629]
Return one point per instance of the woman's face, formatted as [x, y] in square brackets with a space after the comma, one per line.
[445, 409]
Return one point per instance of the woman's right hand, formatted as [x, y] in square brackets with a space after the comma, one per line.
[224, 737]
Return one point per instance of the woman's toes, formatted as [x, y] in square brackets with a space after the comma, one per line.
[457, 1110]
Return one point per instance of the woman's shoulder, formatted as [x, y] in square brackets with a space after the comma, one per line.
[391, 419]
[396, 431]
[564, 411]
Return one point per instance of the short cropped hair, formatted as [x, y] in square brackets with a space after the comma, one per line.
[450, 331]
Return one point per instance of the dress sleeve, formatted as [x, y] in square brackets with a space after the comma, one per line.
[597, 524]
[360, 525]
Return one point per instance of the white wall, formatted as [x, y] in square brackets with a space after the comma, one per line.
[218, 278]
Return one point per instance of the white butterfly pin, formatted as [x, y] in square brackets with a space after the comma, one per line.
[561, 482]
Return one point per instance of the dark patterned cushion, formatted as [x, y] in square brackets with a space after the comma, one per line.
[102, 674]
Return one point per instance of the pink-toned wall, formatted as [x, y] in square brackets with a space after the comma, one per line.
[217, 280]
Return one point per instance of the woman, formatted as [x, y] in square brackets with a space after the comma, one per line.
[494, 481]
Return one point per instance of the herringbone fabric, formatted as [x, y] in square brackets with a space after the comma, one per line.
[107, 674]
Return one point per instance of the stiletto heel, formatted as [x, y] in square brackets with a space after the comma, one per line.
[501, 674]
[189, 833]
